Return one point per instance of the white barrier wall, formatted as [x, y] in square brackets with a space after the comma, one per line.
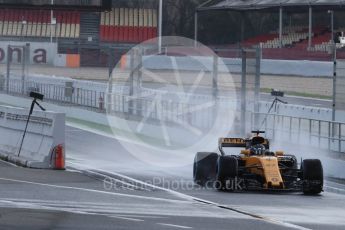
[46, 131]
[234, 65]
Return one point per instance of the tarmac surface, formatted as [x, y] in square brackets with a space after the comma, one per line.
[117, 191]
[36, 199]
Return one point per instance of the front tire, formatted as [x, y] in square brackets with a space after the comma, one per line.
[227, 168]
[204, 168]
[312, 175]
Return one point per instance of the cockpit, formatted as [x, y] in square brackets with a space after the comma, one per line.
[257, 146]
[258, 150]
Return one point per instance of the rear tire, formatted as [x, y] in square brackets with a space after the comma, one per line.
[227, 168]
[312, 175]
[204, 168]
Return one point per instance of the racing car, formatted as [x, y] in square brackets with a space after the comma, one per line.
[257, 168]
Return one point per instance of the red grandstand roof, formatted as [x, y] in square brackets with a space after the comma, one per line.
[246, 5]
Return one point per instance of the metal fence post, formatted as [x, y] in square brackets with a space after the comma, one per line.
[299, 130]
[257, 86]
[8, 66]
[243, 93]
[131, 82]
[138, 85]
[290, 129]
[215, 76]
[329, 134]
[334, 84]
[319, 134]
[340, 138]
[310, 127]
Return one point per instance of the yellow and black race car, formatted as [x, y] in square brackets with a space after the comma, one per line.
[257, 168]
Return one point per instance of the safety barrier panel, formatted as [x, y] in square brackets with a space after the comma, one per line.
[44, 143]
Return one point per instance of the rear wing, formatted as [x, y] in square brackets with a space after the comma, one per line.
[239, 143]
[232, 143]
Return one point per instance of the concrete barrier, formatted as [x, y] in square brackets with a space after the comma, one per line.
[44, 144]
[234, 65]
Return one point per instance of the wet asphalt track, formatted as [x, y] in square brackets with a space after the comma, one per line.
[35, 199]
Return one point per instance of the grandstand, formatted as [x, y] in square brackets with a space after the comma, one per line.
[124, 25]
[128, 25]
[37, 23]
[307, 40]
[80, 30]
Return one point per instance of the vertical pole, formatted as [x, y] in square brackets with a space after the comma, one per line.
[334, 83]
[244, 93]
[310, 26]
[140, 66]
[8, 71]
[110, 100]
[160, 28]
[51, 22]
[23, 70]
[131, 81]
[257, 87]
[196, 29]
[280, 27]
[242, 26]
[27, 58]
[332, 24]
[139, 82]
[340, 138]
[215, 76]
[110, 62]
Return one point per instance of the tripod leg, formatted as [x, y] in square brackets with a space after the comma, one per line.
[26, 127]
[269, 111]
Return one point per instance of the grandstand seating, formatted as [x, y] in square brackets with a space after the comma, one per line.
[324, 43]
[295, 44]
[292, 35]
[128, 25]
[37, 23]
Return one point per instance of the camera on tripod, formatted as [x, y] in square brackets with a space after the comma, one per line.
[277, 93]
[37, 96]
[274, 106]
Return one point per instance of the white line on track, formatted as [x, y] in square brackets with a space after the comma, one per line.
[175, 226]
[44, 207]
[74, 131]
[191, 198]
[126, 218]
[9, 163]
[95, 191]
[111, 180]
[336, 189]
[143, 216]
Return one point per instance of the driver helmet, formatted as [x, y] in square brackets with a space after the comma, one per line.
[258, 149]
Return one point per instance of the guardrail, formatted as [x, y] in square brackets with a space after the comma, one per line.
[146, 108]
[318, 133]
[163, 110]
[90, 99]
